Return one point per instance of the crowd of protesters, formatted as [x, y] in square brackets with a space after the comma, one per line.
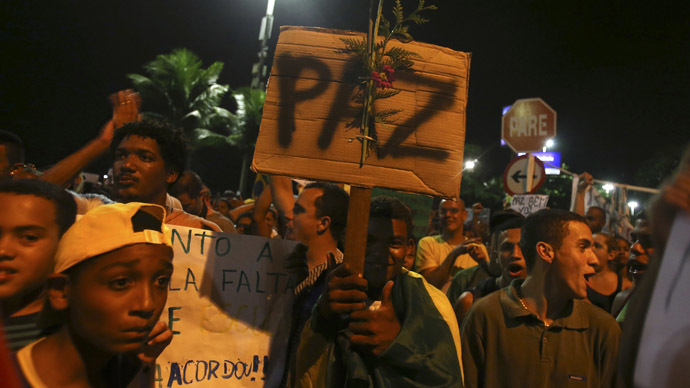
[520, 302]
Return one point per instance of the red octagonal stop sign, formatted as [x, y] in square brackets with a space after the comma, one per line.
[528, 124]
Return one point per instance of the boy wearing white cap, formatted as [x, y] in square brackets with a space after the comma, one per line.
[108, 290]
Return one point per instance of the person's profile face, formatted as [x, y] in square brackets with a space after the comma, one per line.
[191, 205]
[29, 236]
[117, 298]
[601, 250]
[270, 219]
[640, 253]
[387, 246]
[140, 171]
[304, 221]
[411, 253]
[574, 262]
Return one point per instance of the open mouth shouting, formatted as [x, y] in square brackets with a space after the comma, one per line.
[516, 270]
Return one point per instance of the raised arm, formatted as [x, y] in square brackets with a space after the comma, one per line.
[585, 180]
[263, 203]
[283, 199]
[125, 109]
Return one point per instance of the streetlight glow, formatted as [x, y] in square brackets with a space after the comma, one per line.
[608, 188]
[632, 205]
[470, 164]
[550, 143]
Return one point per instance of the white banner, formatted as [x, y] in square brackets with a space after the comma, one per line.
[229, 306]
[527, 204]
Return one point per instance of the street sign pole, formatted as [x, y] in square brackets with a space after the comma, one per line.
[530, 172]
[520, 177]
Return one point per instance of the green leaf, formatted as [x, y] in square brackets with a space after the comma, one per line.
[202, 137]
[398, 12]
[386, 113]
[386, 93]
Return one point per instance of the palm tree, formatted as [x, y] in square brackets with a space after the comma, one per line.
[178, 89]
[250, 103]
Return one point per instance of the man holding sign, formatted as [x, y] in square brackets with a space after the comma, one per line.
[353, 339]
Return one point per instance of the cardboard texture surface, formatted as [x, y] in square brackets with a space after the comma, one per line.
[306, 129]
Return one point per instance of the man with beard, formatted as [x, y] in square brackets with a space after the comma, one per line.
[440, 257]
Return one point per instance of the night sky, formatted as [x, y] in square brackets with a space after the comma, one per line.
[617, 72]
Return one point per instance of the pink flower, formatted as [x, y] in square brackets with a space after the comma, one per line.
[385, 78]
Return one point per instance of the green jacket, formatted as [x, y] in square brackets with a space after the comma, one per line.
[426, 352]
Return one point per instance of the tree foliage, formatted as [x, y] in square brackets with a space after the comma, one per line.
[178, 88]
[379, 65]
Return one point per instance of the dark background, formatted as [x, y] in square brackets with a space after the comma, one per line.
[617, 72]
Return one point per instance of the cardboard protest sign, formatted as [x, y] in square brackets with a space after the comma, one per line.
[662, 356]
[527, 204]
[306, 128]
[229, 306]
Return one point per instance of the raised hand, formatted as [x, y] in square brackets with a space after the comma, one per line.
[586, 180]
[126, 105]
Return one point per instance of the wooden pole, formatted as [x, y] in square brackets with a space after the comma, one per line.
[357, 226]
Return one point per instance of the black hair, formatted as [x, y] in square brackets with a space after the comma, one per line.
[247, 214]
[227, 201]
[332, 203]
[547, 225]
[391, 208]
[188, 183]
[65, 207]
[513, 223]
[15, 147]
[506, 219]
[619, 237]
[171, 141]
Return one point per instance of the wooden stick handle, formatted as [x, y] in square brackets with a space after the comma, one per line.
[357, 226]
